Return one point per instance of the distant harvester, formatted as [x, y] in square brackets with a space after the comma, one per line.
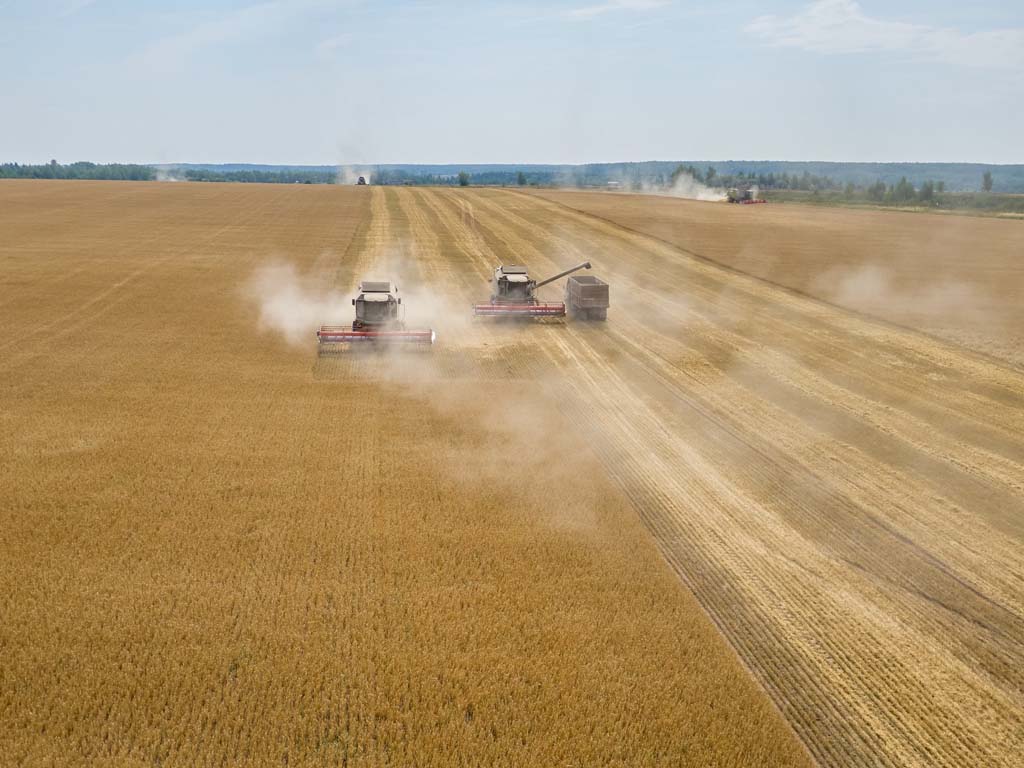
[744, 195]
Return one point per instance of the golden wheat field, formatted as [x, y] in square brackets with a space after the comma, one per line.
[734, 525]
[956, 277]
[215, 550]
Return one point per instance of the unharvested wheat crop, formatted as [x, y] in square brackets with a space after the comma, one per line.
[216, 549]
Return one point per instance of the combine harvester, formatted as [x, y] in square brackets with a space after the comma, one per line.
[744, 196]
[378, 320]
[515, 294]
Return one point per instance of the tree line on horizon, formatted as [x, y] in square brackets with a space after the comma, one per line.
[900, 192]
[79, 170]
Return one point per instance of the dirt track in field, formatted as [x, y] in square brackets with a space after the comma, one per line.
[845, 499]
[957, 277]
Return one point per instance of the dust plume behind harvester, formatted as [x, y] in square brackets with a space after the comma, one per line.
[379, 319]
[514, 294]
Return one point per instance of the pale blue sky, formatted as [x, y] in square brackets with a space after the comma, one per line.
[343, 81]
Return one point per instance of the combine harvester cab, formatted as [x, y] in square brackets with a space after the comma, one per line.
[515, 294]
[378, 321]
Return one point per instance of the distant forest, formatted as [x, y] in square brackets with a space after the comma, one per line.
[82, 170]
[286, 176]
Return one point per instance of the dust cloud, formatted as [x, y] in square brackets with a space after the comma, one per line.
[687, 187]
[294, 305]
[348, 175]
[423, 307]
[873, 288]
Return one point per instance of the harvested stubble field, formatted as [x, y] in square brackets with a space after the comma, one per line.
[219, 548]
[956, 277]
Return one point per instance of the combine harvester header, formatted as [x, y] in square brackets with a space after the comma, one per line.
[514, 294]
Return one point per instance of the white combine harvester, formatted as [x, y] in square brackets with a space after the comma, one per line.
[378, 319]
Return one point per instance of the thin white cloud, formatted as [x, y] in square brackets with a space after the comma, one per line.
[842, 27]
[251, 21]
[174, 50]
[611, 6]
[325, 49]
[74, 6]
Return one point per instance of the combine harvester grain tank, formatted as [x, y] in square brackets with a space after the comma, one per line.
[379, 311]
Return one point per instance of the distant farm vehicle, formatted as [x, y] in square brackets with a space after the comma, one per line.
[378, 319]
[514, 294]
[744, 195]
[586, 297]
